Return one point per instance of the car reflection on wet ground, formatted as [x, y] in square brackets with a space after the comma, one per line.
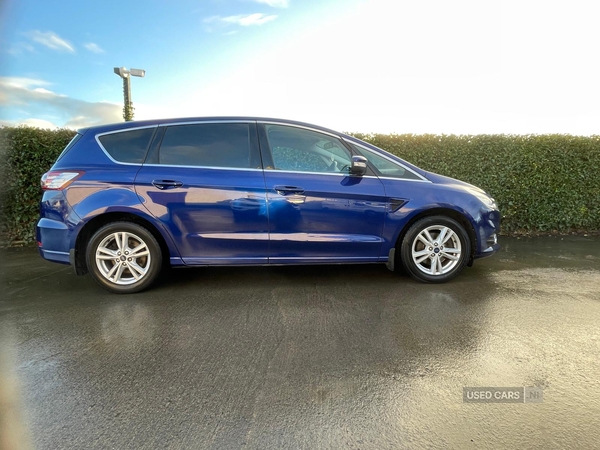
[305, 357]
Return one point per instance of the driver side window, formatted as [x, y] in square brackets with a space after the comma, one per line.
[300, 150]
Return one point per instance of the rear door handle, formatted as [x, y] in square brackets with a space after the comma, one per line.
[287, 190]
[167, 184]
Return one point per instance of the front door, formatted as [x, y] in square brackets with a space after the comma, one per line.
[318, 212]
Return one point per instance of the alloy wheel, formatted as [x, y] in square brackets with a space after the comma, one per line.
[123, 258]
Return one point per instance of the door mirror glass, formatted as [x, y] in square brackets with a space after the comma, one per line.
[359, 165]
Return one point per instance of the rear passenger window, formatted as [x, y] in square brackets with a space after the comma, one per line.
[128, 146]
[209, 145]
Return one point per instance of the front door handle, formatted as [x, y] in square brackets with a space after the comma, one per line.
[287, 190]
[167, 184]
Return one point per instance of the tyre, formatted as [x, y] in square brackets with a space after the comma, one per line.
[123, 257]
[435, 249]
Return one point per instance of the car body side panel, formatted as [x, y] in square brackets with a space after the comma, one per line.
[98, 191]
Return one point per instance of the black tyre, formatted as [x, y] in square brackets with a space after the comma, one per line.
[435, 249]
[123, 257]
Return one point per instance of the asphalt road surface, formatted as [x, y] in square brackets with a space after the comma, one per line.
[323, 357]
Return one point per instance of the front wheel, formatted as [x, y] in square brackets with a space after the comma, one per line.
[435, 249]
[123, 257]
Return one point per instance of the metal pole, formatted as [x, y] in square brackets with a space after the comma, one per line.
[126, 75]
[128, 108]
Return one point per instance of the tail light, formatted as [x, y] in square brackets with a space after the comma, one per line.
[56, 180]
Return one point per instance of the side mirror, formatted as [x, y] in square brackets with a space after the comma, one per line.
[359, 165]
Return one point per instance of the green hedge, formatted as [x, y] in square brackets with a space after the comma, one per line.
[541, 182]
[27, 153]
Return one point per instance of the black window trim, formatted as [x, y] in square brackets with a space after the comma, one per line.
[201, 122]
[294, 125]
[124, 130]
[152, 153]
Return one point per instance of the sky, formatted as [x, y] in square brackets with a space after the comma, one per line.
[371, 66]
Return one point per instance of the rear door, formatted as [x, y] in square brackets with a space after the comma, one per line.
[318, 212]
[204, 182]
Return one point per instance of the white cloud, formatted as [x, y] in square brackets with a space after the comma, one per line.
[82, 122]
[426, 76]
[46, 91]
[275, 3]
[251, 19]
[19, 48]
[28, 93]
[31, 121]
[38, 123]
[21, 82]
[94, 48]
[51, 40]
[244, 20]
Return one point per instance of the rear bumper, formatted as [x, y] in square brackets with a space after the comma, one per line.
[54, 256]
[53, 239]
[56, 229]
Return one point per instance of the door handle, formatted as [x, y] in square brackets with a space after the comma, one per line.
[287, 190]
[167, 184]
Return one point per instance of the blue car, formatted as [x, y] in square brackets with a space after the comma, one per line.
[124, 200]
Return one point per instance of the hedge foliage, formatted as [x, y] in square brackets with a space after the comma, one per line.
[27, 153]
[541, 182]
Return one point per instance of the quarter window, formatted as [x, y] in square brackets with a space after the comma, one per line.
[69, 146]
[297, 149]
[384, 166]
[208, 145]
[128, 146]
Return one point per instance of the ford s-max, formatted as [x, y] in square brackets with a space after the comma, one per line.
[124, 200]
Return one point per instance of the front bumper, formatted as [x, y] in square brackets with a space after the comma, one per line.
[487, 231]
[489, 251]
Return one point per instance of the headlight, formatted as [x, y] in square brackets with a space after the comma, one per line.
[487, 200]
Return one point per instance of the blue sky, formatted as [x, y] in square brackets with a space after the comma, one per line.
[461, 66]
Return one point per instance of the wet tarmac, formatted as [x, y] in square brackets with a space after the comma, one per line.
[305, 357]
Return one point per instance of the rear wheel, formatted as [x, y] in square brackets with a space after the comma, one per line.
[435, 249]
[123, 257]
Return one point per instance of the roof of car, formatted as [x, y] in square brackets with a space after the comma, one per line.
[143, 123]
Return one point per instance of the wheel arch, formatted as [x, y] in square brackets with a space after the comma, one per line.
[94, 224]
[461, 218]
